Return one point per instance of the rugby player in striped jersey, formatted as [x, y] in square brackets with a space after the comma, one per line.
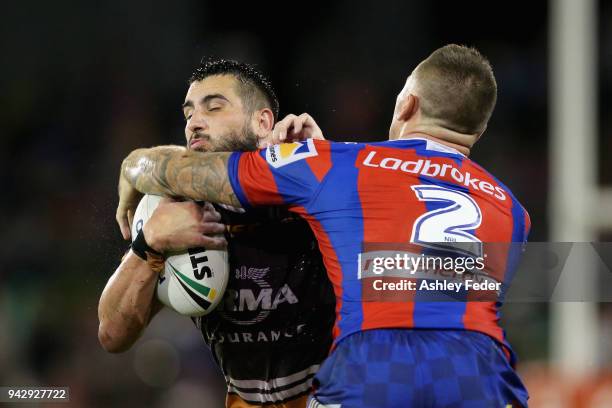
[273, 329]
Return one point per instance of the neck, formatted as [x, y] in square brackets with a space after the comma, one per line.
[461, 142]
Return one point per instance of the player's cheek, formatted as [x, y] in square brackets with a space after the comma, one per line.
[187, 132]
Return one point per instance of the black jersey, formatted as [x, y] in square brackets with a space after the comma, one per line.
[274, 326]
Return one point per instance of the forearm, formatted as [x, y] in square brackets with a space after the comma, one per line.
[176, 171]
[127, 304]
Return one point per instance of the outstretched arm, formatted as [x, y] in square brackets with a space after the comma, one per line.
[173, 171]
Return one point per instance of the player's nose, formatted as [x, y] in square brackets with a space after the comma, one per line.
[196, 123]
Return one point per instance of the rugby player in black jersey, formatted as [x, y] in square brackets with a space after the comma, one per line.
[273, 328]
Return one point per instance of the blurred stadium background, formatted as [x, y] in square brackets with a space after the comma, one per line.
[83, 84]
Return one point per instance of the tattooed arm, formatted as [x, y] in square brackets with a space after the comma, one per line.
[175, 171]
[172, 171]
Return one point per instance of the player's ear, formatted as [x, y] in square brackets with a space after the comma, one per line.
[264, 121]
[483, 129]
[480, 134]
[408, 108]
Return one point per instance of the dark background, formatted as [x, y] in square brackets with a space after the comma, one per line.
[83, 84]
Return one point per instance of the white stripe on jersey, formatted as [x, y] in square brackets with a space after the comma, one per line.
[313, 403]
[268, 391]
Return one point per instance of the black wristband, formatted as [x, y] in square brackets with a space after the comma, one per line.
[140, 246]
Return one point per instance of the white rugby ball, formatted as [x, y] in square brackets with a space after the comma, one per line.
[193, 282]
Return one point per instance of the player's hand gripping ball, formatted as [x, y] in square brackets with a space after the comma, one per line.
[193, 281]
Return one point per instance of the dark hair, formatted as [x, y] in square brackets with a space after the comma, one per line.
[254, 88]
[457, 88]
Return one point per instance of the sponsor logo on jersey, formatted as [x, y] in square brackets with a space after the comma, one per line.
[260, 336]
[426, 168]
[283, 154]
[260, 300]
[266, 299]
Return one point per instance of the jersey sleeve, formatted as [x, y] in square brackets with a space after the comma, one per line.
[286, 174]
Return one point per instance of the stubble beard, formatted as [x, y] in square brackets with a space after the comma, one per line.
[243, 140]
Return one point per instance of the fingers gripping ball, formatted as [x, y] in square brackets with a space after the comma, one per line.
[193, 281]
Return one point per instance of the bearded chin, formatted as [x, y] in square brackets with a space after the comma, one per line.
[246, 140]
[243, 140]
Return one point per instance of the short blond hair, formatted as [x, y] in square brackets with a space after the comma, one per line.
[457, 88]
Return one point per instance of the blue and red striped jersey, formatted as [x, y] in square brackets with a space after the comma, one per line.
[410, 191]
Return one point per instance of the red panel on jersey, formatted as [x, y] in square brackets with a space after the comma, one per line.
[399, 212]
[253, 175]
[330, 259]
[321, 163]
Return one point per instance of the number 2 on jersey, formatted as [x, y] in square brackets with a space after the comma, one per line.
[444, 227]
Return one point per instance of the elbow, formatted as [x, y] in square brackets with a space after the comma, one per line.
[113, 340]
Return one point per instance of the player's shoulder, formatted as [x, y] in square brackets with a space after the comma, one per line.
[353, 146]
[421, 146]
[513, 200]
[332, 145]
[282, 154]
[504, 195]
